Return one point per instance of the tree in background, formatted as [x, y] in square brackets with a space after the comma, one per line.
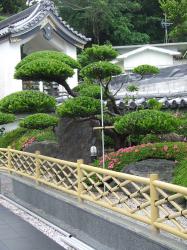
[120, 22]
[9, 7]
[176, 11]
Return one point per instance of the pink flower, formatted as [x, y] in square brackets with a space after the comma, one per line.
[165, 148]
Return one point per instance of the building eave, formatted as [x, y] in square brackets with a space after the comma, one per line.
[27, 20]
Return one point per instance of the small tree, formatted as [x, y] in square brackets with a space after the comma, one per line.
[146, 69]
[47, 66]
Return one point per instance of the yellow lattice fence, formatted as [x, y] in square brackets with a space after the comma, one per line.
[159, 204]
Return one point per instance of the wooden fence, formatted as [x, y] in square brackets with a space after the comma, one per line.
[159, 204]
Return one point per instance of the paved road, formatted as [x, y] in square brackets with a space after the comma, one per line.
[16, 234]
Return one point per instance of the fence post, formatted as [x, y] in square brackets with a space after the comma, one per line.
[37, 169]
[79, 178]
[154, 197]
[9, 160]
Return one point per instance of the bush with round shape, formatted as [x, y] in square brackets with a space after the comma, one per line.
[100, 70]
[39, 121]
[6, 118]
[146, 70]
[49, 55]
[81, 106]
[97, 53]
[44, 69]
[28, 101]
[147, 122]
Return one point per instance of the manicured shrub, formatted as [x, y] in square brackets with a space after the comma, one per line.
[97, 53]
[81, 106]
[146, 70]
[170, 150]
[6, 118]
[147, 121]
[44, 69]
[49, 55]
[100, 70]
[39, 121]
[28, 101]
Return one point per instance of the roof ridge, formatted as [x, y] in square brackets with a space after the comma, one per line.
[33, 15]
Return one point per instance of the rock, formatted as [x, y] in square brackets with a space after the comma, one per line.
[172, 137]
[76, 138]
[164, 168]
[47, 148]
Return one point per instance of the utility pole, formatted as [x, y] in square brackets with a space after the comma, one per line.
[165, 24]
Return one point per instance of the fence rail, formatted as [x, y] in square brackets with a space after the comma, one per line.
[161, 205]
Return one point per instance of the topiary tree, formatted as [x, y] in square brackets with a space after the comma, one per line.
[47, 66]
[147, 122]
[146, 69]
[39, 121]
[28, 101]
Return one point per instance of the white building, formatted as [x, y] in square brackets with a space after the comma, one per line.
[159, 55]
[36, 28]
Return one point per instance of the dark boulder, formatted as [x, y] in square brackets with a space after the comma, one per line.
[76, 136]
[47, 148]
[164, 168]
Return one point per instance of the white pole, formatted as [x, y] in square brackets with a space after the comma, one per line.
[102, 124]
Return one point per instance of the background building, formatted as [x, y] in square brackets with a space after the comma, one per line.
[34, 29]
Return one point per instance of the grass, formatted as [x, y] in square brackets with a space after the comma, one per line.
[19, 137]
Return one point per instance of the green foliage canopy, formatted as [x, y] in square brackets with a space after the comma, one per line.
[81, 106]
[100, 70]
[6, 118]
[176, 11]
[28, 101]
[90, 90]
[47, 54]
[147, 121]
[44, 69]
[97, 53]
[146, 69]
[39, 121]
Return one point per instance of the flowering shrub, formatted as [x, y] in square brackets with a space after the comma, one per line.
[28, 142]
[171, 150]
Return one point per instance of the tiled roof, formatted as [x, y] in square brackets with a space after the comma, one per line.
[29, 18]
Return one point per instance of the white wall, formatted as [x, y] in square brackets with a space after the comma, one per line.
[148, 57]
[72, 51]
[9, 57]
